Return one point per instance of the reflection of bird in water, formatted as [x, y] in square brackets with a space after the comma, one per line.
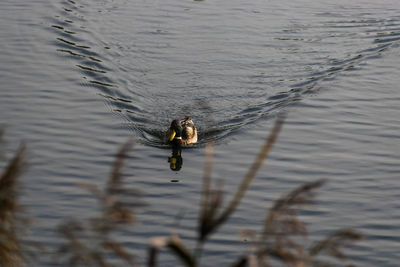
[175, 161]
[182, 133]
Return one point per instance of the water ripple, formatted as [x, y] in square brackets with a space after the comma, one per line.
[150, 75]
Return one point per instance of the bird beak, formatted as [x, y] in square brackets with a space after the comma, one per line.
[171, 134]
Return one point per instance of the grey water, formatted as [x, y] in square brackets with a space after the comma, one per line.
[79, 78]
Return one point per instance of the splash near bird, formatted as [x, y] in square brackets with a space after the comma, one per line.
[182, 132]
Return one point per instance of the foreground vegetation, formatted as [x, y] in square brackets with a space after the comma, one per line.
[92, 243]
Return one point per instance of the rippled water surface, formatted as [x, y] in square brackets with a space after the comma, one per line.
[78, 78]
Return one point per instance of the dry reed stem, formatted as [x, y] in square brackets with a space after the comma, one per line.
[89, 242]
[206, 213]
[282, 217]
[115, 176]
[282, 224]
[209, 221]
[175, 244]
[10, 244]
[332, 244]
[262, 155]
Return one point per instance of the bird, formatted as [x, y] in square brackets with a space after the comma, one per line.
[182, 132]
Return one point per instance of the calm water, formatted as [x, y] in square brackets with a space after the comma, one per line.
[78, 78]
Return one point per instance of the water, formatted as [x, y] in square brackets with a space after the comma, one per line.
[81, 77]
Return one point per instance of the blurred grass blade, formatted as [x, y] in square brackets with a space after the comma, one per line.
[8, 184]
[120, 251]
[331, 245]
[206, 217]
[115, 177]
[89, 242]
[10, 244]
[262, 155]
[209, 221]
[283, 209]
[241, 262]
[282, 227]
[156, 244]
[177, 247]
[175, 244]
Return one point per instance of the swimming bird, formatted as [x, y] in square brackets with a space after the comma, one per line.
[182, 132]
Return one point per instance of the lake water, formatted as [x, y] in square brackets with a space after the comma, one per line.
[78, 78]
